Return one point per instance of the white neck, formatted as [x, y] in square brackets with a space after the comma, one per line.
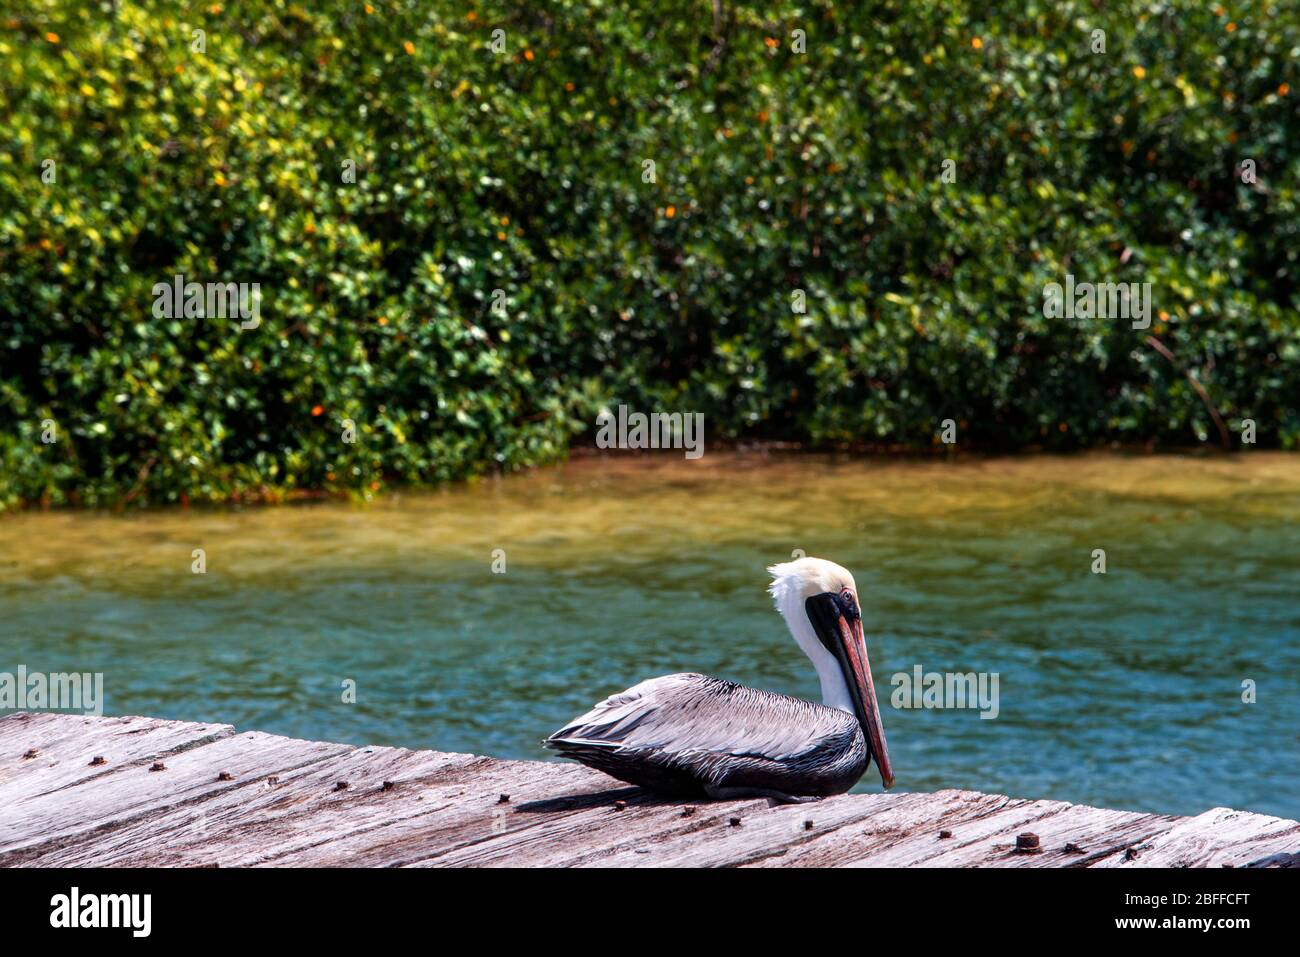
[835, 692]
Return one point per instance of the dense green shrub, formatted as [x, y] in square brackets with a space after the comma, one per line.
[523, 171]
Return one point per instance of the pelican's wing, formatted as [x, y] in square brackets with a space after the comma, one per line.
[690, 714]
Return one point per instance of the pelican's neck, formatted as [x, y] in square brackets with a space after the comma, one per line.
[835, 692]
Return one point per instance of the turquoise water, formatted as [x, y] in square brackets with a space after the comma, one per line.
[1120, 690]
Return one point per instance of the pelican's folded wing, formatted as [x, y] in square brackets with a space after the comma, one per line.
[686, 713]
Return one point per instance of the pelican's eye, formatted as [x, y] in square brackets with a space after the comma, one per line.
[850, 604]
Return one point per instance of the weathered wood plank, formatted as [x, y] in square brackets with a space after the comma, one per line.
[134, 791]
[758, 833]
[284, 802]
[586, 830]
[968, 829]
[290, 801]
[1217, 838]
[65, 745]
[1069, 836]
[461, 809]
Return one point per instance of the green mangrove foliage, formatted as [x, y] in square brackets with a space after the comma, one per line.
[474, 226]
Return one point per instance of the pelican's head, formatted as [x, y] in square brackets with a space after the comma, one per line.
[819, 602]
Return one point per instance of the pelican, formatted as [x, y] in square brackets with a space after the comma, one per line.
[692, 735]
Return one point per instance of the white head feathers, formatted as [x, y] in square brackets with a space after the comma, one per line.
[806, 577]
[795, 582]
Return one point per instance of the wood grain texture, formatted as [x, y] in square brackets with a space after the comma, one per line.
[253, 799]
[1219, 837]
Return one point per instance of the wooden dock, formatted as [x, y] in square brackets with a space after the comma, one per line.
[81, 791]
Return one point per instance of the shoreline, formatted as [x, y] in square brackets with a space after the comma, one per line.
[268, 495]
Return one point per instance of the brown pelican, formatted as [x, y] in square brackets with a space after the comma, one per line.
[690, 734]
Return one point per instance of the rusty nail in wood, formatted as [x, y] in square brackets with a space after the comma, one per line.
[944, 835]
[30, 753]
[1027, 843]
[1131, 854]
[387, 786]
[225, 776]
[97, 760]
[504, 799]
[341, 786]
[735, 822]
[688, 811]
[1073, 848]
[807, 825]
[157, 766]
[620, 805]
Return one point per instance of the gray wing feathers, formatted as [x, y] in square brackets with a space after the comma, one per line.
[615, 718]
[695, 713]
[680, 733]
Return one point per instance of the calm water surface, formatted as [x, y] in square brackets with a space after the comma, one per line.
[1121, 690]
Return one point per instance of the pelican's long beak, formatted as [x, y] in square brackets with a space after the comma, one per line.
[841, 633]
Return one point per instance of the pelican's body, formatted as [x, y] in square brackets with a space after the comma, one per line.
[689, 734]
